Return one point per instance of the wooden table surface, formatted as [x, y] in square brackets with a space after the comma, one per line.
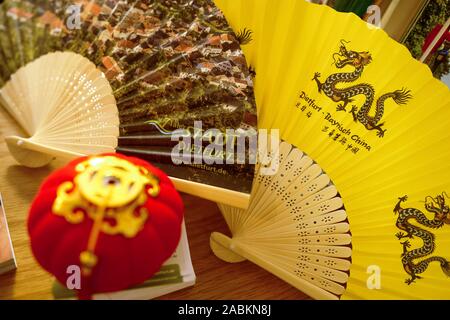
[215, 278]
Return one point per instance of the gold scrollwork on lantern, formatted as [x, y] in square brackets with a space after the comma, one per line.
[111, 190]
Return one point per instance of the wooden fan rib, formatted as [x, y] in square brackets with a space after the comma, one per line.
[98, 120]
[103, 130]
[290, 244]
[332, 275]
[275, 190]
[284, 190]
[333, 239]
[75, 147]
[281, 152]
[231, 215]
[324, 277]
[299, 283]
[311, 187]
[341, 264]
[313, 210]
[57, 89]
[329, 262]
[312, 278]
[320, 250]
[326, 219]
[310, 209]
[278, 190]
[324, 213]
[37, 87]
[10, 104]
[16, 104]
[74, 127]
[97, 101]
[110, 141]
[338, 228]
[327, 193]
[23, 82]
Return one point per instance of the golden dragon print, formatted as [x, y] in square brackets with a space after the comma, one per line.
[441, 212]
[358, 60]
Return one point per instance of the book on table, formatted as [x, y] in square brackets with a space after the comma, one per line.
[177, 273]
[7, 257]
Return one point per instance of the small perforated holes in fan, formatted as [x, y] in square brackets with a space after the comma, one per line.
[274, 186]
[331, 240]
[289, 165]
[75, 116]
[312, 187]
[331, 251]
[305, 179]
[318, 197]
[330, 263]
[324, 207]
[304, 241]
[300, 206]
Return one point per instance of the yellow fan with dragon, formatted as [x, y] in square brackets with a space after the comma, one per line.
[376, 123]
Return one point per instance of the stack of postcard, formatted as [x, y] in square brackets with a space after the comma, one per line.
[176, 274]
[7, 258]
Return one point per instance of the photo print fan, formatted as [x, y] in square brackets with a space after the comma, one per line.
[94, 76]
[374, 124]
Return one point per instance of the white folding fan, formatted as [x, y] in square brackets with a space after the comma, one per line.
[92, 76]
[66, 109]
[373, 120]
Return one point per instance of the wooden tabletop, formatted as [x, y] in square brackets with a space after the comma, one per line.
[215, 278]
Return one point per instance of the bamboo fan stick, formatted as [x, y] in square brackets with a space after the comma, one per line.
[299, 283]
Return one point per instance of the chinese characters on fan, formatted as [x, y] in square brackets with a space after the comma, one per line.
[336, 131]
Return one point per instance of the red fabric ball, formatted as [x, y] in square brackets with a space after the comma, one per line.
[122, 261]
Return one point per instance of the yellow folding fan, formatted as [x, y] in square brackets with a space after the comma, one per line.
[374, 126]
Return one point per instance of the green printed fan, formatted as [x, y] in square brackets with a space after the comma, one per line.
[93, 76]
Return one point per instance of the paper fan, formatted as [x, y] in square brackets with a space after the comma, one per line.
[376, 122]
[80, 116]
[164, 64]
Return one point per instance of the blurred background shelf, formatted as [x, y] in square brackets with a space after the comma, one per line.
[421, 25]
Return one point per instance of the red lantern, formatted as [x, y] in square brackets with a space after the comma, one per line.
[117, 217]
